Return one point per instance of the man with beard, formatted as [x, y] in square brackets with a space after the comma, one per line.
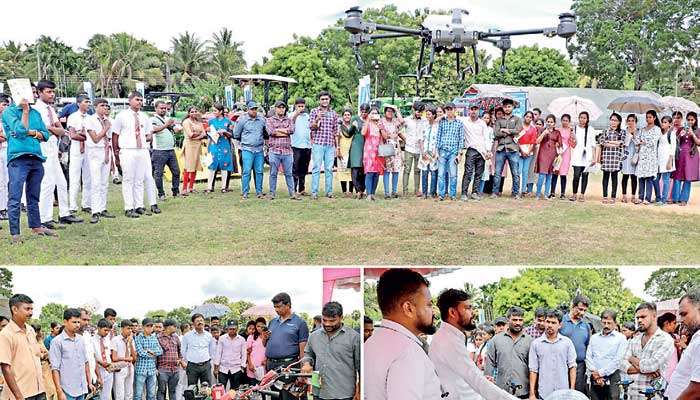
[685, 381]
[458, 374]
[579, 331]
[69, 365]
[647, 353]
[552, 360]
[230, 357]
[368, 328]
[603, 359]
[537, 328]
[335, 352]
[507, 356]
[396, 364]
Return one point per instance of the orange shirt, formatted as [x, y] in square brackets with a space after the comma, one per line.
[20, 350]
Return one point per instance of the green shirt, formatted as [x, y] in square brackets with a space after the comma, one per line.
[163, 140]
[357, 146]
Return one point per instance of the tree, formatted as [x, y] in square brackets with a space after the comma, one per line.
[5, 282]
[51, 312]
[189, 56]
[672, 283]
[180, 314]
[226, 55]
[217, 300]
[532, 66]
[370, 301]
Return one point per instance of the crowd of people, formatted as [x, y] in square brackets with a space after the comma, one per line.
[407, 357]
[38, 146]
[153, 359]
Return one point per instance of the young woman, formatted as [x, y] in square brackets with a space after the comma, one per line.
[688, 160]
[583, 154]
[195, 132]
[629, 169]
[429, 155]
[255, 345]
[667, 159]
[648, 164]
[527, 139]
[611, 142]
[489, 167]
[391, 126]
[347, 131]
[565, 154]
[220, 128]
[372, 163]
[550, 145]
[356, 148]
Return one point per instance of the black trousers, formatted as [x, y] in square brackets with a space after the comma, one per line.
[562, 179]
[300, 167]
[40, 396]
[581, 385]
[606, 178]
[473, 164]
[198, 372]
[607, 392]
[235, 379]
[582, 177]
[160, 159]
[358, 178]
[628, 177]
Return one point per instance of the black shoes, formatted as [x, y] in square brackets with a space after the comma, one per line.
[155, 209]
[95, 218]
[87, 210]
[131, 214]
[106, 214]
[52, 225]
[3, 215]
[70, 219]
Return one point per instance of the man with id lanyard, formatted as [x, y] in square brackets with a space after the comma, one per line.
[99, 155]
[164, 149]
[78, 167]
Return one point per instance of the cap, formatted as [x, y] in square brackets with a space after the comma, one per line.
[147, 321]
[251, 105]
[390, 106]
[500, 321]
[449, 106]
[280, 103]
[232, 324]
[474, 106]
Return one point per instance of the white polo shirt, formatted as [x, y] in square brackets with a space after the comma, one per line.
[124, 126]
[49, 147]
[77, 121]
[687, 370]
[107, 345]
[94, 124]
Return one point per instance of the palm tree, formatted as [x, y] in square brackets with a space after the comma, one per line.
[189, 56]
[226, 55]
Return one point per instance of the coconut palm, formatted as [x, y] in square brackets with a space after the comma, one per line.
[189, 56]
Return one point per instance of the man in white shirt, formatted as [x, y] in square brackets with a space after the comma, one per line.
[685, 381]
[103, 357]
[603, 356]
[89, 348]
[415, 129]
[197, 348]
[397, 365]
[124, 353]
[458, 374]
[131, 131]
[53, 180]
[230, 357]
[78, 166]
[478, 151]
[98, 152]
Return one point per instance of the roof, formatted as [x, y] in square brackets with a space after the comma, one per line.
[541, 97]
[263, 78]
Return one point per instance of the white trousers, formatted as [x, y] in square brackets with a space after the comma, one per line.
[78, 167]
[99, 179]
[107, 382]
[135, 163]
[124, 384]
[150, 183]
[4, 178]
[53, 180]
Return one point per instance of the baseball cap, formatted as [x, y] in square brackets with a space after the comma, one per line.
[252, 105]
[500, 321]
[147, 321]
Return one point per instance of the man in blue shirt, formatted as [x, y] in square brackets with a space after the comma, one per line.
[603, 357]
[579, 331]
[148, 349]
[450, 142]
[251, 132]
[25, 130]
[68, 358]
[301, 145]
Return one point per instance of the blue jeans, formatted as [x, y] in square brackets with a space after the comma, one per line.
[513, 158]
[69, 397]
[665, 179]
[433, 182]
[547, 180]
[252, 161]
[322, 155]
[645, 186]
[447, 163]
[371, 182]
[23, 170]
[151, 386]
[394, 182]
[524, 172]
[681, 191]
[287, 160]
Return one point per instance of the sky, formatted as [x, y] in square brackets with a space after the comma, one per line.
[133, 291]
[260, 25]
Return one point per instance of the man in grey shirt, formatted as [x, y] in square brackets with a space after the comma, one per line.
[69, 365]
[505, 130]
[552, 360]
[334, 351]
[507, 356]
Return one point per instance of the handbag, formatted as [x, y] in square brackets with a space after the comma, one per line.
[386, 150]
[635, 159]
[557, 163]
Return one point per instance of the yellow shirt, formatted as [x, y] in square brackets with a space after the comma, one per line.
[20, 350]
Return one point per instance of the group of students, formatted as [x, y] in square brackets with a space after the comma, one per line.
[408, 357]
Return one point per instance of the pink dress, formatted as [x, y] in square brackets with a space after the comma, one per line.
[257, 355]
[566, 155]
[370, 158]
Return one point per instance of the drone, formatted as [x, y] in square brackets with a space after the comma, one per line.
[445, 34]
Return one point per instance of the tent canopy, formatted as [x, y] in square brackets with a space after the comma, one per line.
[375, 273]
[265, 310]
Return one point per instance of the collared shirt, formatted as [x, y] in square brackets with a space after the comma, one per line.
[652, 357]
[123, 347]
[18, 142]
[510, 358]
[165, 139]
[230, 354]
[79, 122]
[579, 333]
[476, 135]
[397, 367]
[146, 363]
[95, 123]
[415, 130]
[48, 114]
[582, 154]
[534, 331]
[302, 131]
[168, 361]
[196, 347]
[285, 337]
[506, 141]
[450, 135]
[688, 369]
[67, 356]
[250, 132]
[20, 350]
[327, 131]
[337, 359]
[551, 360]
[89, 353]
[280, 144]
[605, 352]
[125, 126]
[459, 376]
[101, 346]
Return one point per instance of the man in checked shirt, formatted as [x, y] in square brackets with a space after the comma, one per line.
[147, 348]
[169, 362]
[324, 124]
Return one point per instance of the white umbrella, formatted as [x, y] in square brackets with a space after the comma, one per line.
[679, 104]
[574, 105]
[635, 104]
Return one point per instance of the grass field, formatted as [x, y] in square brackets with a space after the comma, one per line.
[222, 229]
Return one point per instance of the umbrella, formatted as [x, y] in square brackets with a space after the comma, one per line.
[259, 311]
[679, 104]
[566, 394]
[209, 310]
[487, 100]
[574, 105]
[635, 104]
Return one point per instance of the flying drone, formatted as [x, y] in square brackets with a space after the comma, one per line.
[445, 34]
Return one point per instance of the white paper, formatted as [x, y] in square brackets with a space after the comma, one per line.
[21, 89]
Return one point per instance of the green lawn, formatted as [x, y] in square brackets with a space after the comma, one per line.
[222, 229]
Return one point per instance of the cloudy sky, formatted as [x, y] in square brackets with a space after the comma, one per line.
[260, 25]
[133, 291]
